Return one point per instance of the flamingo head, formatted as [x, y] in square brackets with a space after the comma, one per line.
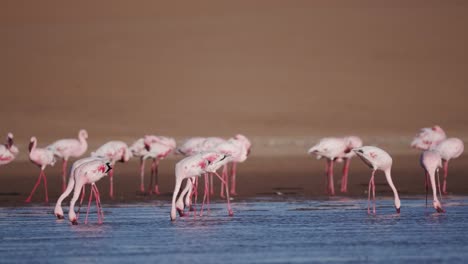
[438, 207]
[32, 143]
[126, 154]
[397, 205]
[215, 160]
[138, 148]
[245, 141]
[83, 134]
[108, 167]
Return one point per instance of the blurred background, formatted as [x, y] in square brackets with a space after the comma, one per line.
[287, 69]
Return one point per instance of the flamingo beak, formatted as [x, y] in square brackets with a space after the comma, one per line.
[398, 210]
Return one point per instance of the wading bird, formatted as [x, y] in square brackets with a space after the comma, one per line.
[8, 151]
[448, 149]
[85, 171]
[69, 148]
[431, 162]
[41, 157]
[378, 159]
[113, 151]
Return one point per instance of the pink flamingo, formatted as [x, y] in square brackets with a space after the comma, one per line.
[378, 159]
[113, 151]
[156, 151]
[41, 157]
[237, 152]
[191, 167]
[66, 148]
[247, 145]
[8, 152]
[191, 146]
[428, 137]
[431, 162]
[332, 149]
[86, 171]
[448, 149]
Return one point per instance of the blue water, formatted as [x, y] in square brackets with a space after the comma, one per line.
[262, 231]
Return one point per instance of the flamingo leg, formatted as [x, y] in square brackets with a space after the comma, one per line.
[426, 184]
[89, 204]
[331, 185]
[142, 175]
[156, 176]
[225, 182]
[81, 201]
[98, 204]
[327, 167]
[64, 174]
[28, 200]
[233, 178]
[444, 188]
[45, 186]
[194, 194]
[150, 187]
[224, 175]
[211, 184]
[111, 188]
[344, 179]
[205, 192]
[373, 192]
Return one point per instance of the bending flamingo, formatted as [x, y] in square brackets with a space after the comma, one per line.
[431, 162]
[378, 159]
[66, 148]
[428, 137]
[41, 157]
[113, 151]
[247, 145]
[191, 167]
[86, 171]
[448, 149]
[332, 149]
[351, 142]
[8, 151]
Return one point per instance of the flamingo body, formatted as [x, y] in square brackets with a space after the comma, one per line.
[8, 151]
[378, 159]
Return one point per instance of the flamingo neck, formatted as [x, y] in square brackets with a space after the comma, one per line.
[392, 186]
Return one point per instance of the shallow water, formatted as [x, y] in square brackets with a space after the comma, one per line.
[262, 231]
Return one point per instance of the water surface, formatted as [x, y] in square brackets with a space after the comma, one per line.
[262, 231]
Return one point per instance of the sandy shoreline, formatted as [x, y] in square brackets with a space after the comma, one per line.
[258, 176]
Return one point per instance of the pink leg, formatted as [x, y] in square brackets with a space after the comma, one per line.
[89, 204]
[28, 200]
[142, 175]
[81, 201]
[45, 187]
[205, 192]
[330, 179]
[373, 192]
[111, 180]
[233, 178]
[344, 179]
[327, 167]
[224, 175]
[371, 181]
[444, 188]
[64, 175]
[225, 182]
[211, 184]
[426, 183]
[98, 203]
[156, 176]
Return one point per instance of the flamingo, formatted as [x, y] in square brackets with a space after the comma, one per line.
[378, 159]
[85, 171]
[247, 145]
[8, 151]
[66, 148]
[237, 152]
[155, 150]
[351, 142]
[448, 149]
[331, 148]
[41, 157]
[113, 151]
[428, 137]
[191, 146]
[431, 161]
[191, 167]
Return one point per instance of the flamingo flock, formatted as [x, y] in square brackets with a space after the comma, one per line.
[204, 156]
